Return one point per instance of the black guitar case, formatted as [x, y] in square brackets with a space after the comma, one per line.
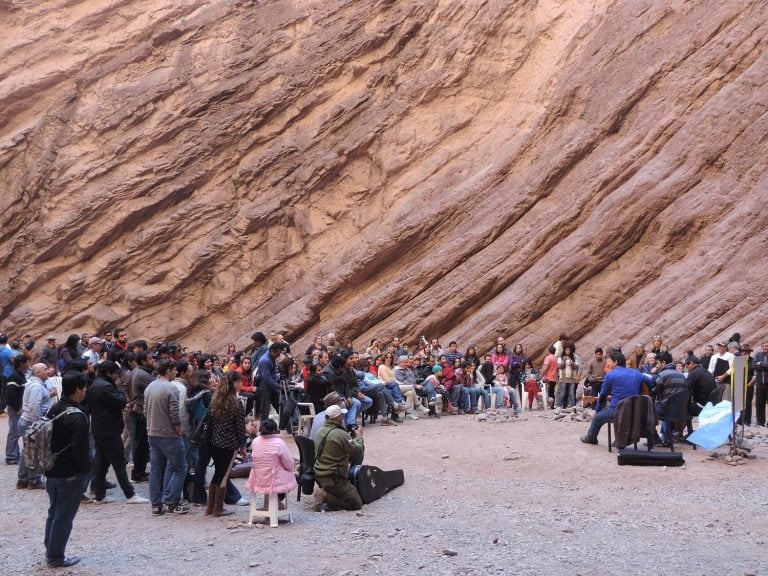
[629, 457]
[372, 482]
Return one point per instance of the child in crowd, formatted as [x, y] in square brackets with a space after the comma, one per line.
[531, 381]
[502, 381]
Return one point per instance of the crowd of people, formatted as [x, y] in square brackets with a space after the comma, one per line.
[143, 406]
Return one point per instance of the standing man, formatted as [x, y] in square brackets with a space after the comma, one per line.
[549, 375]
[94, 350]
[268, 388]
[15, 394]
[106, 404]
[335, 449]
[595, 373]
[721, 363]
[66, 480]
[761, 383]
[121, 340]
[50, 353]
[259, 347]
[6, 367]
[36, 402]
[141, 377]
[166, 448]
[701, 382]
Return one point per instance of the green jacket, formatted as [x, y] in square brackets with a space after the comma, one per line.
[339, 449]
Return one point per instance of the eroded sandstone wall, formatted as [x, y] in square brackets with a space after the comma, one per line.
[199, 169]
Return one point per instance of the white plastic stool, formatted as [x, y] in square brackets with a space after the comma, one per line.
[272, 512]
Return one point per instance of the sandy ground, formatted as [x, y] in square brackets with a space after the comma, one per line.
[522, 497]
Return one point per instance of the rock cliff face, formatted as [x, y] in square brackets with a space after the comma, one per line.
[199, 169]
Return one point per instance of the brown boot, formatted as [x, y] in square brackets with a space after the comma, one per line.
[218, 505]
[212, 491]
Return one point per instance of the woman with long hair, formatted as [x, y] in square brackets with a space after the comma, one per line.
[227, 437]
[567, 376]
[198, 400]
[517, 361]
[68, 352]
[387, 367]
[500, 356]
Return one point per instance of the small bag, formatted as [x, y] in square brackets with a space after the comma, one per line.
[202, 435]
[307, 481]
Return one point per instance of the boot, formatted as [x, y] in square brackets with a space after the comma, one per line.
[218, 506]
[213, 490]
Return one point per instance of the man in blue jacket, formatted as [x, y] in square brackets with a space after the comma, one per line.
[620, 382]
[268, 388]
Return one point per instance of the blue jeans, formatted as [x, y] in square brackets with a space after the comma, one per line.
[603, 417]
[168, 467]
[12, 451]
[357, 406]
[64, 496]
[395, 390]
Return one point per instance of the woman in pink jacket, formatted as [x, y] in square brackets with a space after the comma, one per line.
[272, 469]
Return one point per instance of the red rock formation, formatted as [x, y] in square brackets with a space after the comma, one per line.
[200, 169]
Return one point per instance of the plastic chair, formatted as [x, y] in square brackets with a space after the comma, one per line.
[675, 410]
[305, 420]
[273, 511]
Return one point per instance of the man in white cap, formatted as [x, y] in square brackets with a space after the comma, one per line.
[334, 450]
[94, 350]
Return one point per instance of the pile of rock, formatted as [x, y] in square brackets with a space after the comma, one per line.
[497, 416]
[572, 414]
[757, 435]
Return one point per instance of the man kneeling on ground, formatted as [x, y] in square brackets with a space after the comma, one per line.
[334, 449]
[620, 382]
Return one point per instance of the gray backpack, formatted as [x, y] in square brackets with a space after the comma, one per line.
[38, 456]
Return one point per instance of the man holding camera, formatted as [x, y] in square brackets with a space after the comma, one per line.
[335, 449]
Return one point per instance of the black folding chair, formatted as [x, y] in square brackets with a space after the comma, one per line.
[675, 410]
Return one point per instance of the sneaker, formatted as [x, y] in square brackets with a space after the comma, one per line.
[105, 500]
[423, 409]
[91, 495]
[136, 499]
[37, 485]
[242, 502]
[85, 500]
[158, 510]
[432, 402]
[109, 485]
[587, 440]
[411, 416]
[138, 479]
[22, 484]
[402, 407]
[178, 509]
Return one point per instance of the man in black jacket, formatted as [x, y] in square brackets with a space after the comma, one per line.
[66, 480]
[14, 393]
[701, 382]
[140, 379]
[106, 403]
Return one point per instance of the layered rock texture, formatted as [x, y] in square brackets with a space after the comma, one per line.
[199, 169]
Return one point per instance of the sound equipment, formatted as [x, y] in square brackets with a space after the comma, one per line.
[372, 482]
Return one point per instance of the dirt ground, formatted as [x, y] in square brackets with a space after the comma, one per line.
[522, 497]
